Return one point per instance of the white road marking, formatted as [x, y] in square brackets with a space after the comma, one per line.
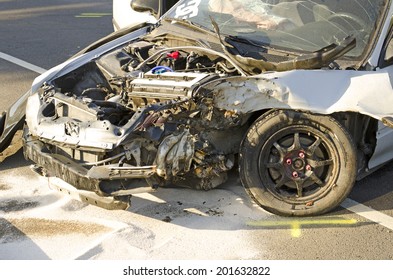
[22, 63]
[368, 213]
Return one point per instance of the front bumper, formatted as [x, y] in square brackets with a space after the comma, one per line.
[80, 177]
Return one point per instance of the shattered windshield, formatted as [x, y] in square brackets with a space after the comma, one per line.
[299, 26]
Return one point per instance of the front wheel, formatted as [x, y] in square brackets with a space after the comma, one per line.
[297, 164]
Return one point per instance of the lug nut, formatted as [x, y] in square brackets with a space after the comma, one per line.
[308, 167]
[289, 161]
[295, 175]
[302, 155]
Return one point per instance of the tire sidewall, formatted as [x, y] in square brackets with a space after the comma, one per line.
[275, 120]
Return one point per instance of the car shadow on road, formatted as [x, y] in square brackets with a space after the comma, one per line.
[376, 190]
[227, 208]
[14, 160]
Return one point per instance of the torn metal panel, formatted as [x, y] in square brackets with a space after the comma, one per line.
[246, 95]
[98, 180]
[114, 172]
[320, 91]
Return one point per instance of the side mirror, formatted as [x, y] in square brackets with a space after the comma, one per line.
[152, 6]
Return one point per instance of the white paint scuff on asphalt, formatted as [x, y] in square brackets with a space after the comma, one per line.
[40, 223]
[22, 63]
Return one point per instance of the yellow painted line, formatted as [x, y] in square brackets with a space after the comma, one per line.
[296, 225]
[92, 15]
[296, 230]
[23, 13]
[302, 222]
[88, 16]
[96, 14]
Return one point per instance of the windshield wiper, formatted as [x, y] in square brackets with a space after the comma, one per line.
[244, 40]
[266, 47]
[315, 60]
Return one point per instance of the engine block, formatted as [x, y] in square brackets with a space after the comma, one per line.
[154, 88]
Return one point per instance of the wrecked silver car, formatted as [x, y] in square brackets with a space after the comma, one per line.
[297, 94]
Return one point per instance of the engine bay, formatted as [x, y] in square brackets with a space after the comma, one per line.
[140, 112]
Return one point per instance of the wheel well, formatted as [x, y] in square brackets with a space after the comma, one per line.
[362, 128]
[255, 115]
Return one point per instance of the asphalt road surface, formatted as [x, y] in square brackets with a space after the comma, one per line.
[172, 223]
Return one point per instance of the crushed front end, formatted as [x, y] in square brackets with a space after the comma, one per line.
[128, 122]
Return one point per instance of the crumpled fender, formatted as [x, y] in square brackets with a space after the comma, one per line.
[318, 91]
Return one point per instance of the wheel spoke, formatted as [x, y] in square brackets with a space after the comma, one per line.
[319, 163]
[281, 183]
[280, 149]
[296, 142]
[311, 149]
[314, 178]
[274, 165]
[299, 186]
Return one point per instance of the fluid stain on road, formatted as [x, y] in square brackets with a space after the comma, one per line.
[4, 187]
[16, 229]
